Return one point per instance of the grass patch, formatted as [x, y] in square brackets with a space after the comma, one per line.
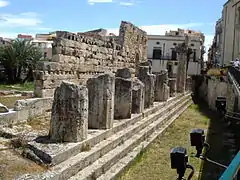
[10, 101]
[13, 165]
[154, 163]
[39, 123]
[28, 86]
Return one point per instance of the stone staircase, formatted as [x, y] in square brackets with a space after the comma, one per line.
[109, 151]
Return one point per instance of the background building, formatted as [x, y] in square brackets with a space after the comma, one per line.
[161, 50]
[44, 42]
[230, 33]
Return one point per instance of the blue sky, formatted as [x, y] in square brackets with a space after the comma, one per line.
[154, 16]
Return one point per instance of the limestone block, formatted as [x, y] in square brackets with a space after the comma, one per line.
[161, 80]
[101, 90]
[189, 84]
[181, 72]
[138, 94]
[69, 122]
[123, 73]
[149, 83]
[172, 83]
[3, 109]
[166, 92]
[123, 98]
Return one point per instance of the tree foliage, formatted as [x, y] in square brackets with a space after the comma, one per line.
[18, 58]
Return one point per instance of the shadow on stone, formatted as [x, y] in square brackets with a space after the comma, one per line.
[222, 140]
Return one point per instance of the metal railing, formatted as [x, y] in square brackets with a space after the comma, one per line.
[235, 72]
[232, 172]
[164, 58]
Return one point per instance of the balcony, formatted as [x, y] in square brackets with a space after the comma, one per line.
[163, 58]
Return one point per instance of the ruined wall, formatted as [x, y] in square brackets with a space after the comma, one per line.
[77, 57]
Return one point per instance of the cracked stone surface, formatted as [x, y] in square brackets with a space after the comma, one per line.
[69, 122]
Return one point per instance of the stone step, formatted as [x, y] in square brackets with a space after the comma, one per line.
[78, 162]
[75, 164]
[126, 161]
[54, 154]
[107, 161]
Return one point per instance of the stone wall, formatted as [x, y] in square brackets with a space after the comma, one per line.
[77, 57]
[210, 88]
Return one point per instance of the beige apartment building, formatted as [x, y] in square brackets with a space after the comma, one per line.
[44, 42]
[162, 52]
[230, 45]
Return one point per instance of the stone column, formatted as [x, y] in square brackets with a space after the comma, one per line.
[101, 90]
[189, 84]
[170, 66]
[69, 122]
[123, 94]
[149, 83]
[181, 72]
[161, 86]
[166, 92]
[173, 87]
[137, 96]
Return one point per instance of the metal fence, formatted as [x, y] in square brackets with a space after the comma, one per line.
[232, 172]
[235, 72]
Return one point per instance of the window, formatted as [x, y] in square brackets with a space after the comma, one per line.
[194, 55]
[174, 44]
[177, 33]
[192, 44]
[45, 55]
[174, 54]
[157, 53]
[157, 42]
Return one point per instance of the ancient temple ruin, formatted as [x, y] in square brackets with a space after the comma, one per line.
[77, 57]
[106, 104]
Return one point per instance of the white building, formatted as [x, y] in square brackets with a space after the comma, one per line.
[161, 50]
[44, 42]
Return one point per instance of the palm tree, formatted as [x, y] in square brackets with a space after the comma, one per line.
[18, 57]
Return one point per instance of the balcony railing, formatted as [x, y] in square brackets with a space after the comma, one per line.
[164, 58]
[232, 172]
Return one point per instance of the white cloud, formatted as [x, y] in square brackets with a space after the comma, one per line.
[24, 22]
[126, 3]
[3, 3]
[19, 20]
[99, 1]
